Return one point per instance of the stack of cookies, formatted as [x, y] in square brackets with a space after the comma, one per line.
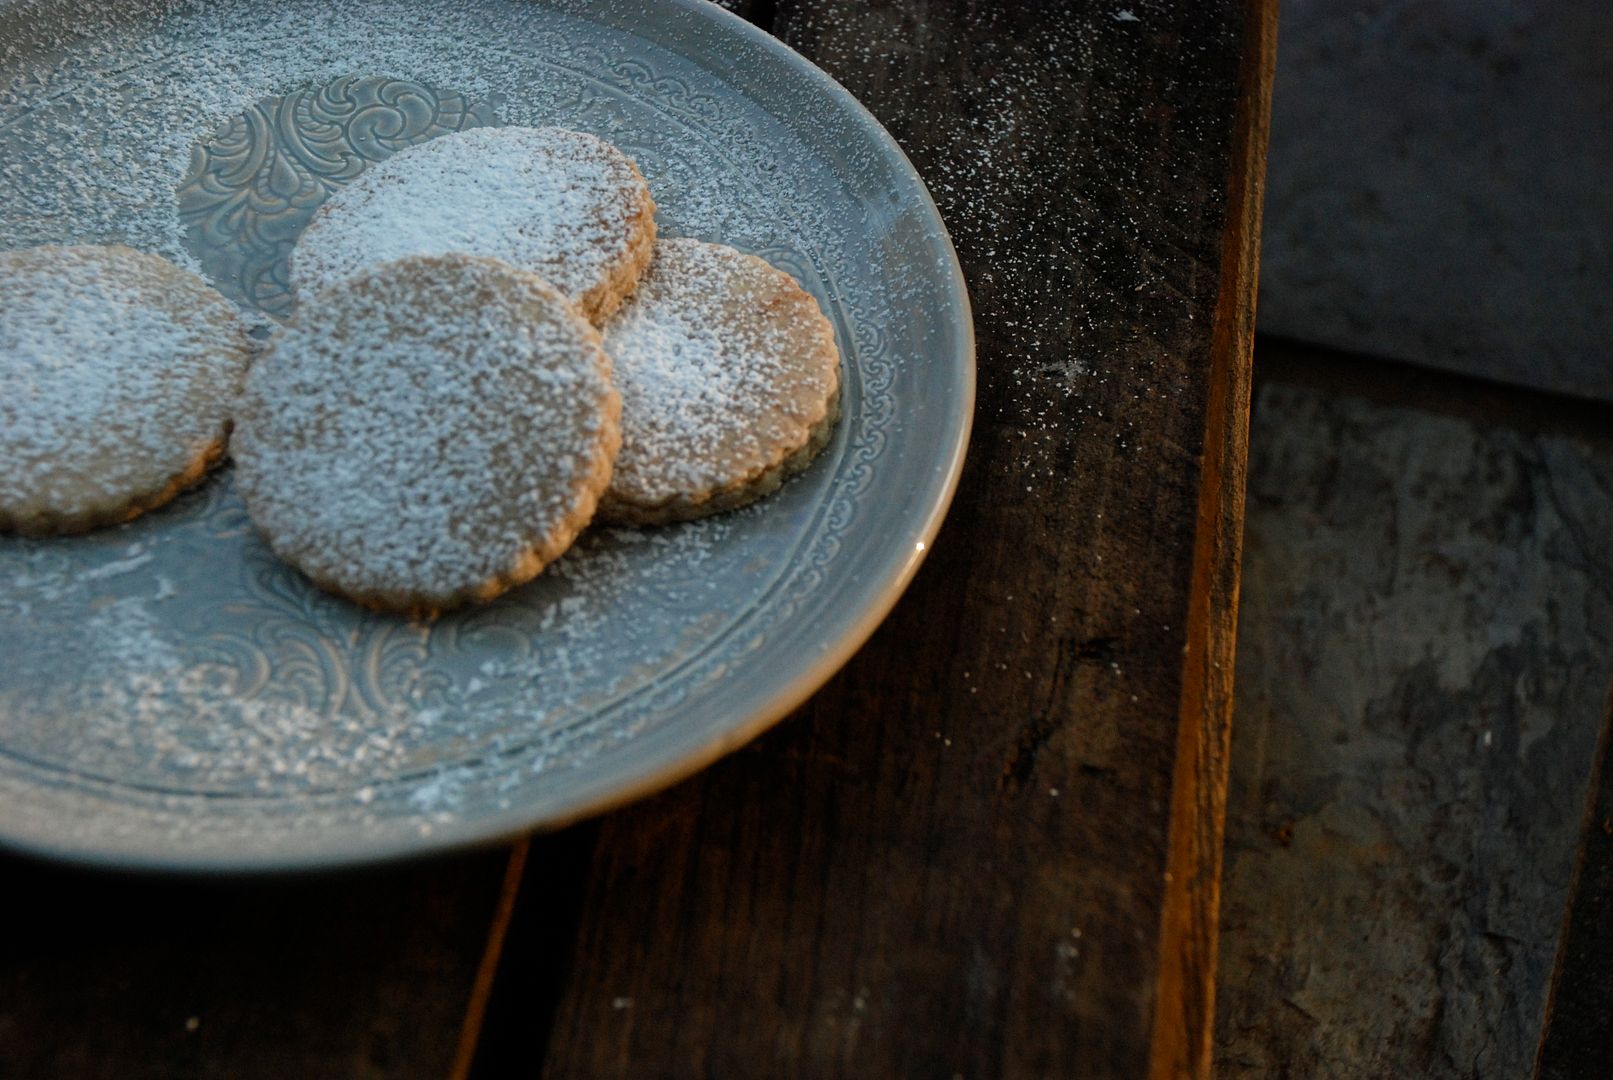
[491, 350]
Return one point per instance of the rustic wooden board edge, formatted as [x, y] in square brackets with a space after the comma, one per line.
[1573, 1025]
[481, 991]
[1184, 998]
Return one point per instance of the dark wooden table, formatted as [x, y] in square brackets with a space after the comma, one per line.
[991, 845]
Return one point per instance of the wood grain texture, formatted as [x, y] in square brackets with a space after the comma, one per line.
[362, 975]
[953, 860]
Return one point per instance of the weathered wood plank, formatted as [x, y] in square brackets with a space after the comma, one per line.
[1425, 651]
[1576, 1039]
[954, 859]
[1184, 1004]
[349, 975]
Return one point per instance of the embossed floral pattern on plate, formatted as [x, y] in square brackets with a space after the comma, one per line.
[253, 185]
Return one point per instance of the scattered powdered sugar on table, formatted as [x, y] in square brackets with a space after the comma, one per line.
[114, 378]
[1050, 179]
[561, 204]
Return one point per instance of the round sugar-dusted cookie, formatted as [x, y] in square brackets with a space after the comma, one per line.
[564, 205]
[430, 432]
[118, 374]
[730, 383]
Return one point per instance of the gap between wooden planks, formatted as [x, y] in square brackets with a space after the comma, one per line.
[1575, 1032]
[481, 992]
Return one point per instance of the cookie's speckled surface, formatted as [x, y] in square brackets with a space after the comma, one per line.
[564, 205]
[730, 383]
[118, 373]
[428, 433]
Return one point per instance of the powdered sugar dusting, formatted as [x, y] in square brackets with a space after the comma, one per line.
[102, 106]
[561, 204]
[210, 705]
[724, 366]
[144, 709]
[117, 372]
[427, 428]
[1037, 107]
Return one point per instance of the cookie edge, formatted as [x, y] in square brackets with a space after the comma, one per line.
[528, 564]
[42, 523]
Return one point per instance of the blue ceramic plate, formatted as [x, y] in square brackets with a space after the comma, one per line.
[172, 696]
